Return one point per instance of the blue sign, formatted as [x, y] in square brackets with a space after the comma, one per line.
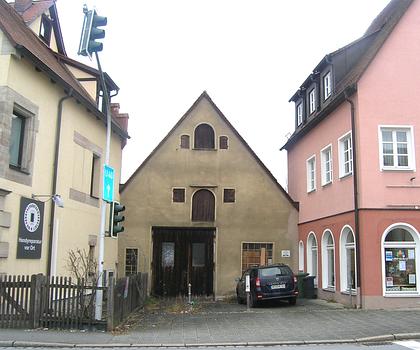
[108, 188]
[388, 255]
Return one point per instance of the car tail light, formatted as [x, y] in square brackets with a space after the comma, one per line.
[257, 282]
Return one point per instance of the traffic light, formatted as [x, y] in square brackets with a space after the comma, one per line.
[116, 219]
[90, 33]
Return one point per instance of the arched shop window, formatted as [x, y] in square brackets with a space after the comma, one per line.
[400, 248]
[312, 257]
[328, 261]
[347, 260]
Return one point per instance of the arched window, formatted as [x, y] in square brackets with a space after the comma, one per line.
[204, 137]
[328, 268]
[347, 260]
[301, 256]
[203, 206]
[185, 141]
[400, 261]
[312, 257]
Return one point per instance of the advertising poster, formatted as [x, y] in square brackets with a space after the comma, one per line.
[411, 254]
[31, 219]
[402, 265]
[389, 282]
[388, 255]
[412, 278]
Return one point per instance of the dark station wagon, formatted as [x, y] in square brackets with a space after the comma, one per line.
[268, 282]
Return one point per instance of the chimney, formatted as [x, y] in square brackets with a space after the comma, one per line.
[22, 5]
[120, 118]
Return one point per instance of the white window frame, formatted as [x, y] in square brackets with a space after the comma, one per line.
[415, 244]
[325, 249]
[327, 85]
[344, 247]
[342, 151]
[311, 174]
[301, 256]
[410, 147]
[324, 162]
[299, 113]
[312, 101]
[310, 250]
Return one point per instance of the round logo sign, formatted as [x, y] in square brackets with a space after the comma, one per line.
[32, 217]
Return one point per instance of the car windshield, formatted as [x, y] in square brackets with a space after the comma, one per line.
[275, 271]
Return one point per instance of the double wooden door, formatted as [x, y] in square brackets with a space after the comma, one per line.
[182, 256]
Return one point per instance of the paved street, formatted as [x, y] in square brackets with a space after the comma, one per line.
[230, 323]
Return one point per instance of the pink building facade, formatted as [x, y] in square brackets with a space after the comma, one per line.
[352, 164]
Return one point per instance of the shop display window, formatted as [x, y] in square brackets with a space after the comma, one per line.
[400, 262]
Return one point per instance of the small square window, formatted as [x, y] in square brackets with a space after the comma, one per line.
[228, 195]
[223, 142]
[178, 195]
[185, 141]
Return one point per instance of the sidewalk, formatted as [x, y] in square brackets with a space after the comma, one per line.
[310, 321]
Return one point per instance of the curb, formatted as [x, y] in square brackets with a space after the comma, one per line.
[375, 339]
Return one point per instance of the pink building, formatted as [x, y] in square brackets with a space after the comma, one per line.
[352, 165]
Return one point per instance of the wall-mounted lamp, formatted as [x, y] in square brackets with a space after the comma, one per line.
[55, 197]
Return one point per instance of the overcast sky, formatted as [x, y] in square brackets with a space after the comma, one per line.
[250, 56]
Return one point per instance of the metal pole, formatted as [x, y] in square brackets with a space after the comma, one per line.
[189, 293]
[101, 241]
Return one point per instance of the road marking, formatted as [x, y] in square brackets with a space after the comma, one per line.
[411, 344]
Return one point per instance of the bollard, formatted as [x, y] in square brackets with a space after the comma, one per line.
[189, 293]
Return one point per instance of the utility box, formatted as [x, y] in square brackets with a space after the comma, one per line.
[300, 283]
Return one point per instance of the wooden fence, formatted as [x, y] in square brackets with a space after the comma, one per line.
[60, 302]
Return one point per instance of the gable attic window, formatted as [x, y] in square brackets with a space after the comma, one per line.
[185, 141]
[327, 85]
[45, 29]
[223, 142]
[204, 137]
[299, 114]
[312, 101]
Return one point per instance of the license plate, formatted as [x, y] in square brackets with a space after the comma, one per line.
[278, 286]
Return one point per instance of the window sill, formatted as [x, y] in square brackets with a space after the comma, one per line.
[345, 176]
[346, 292]
[19, 169]
[204, 149]
[310, 191]
[329, 289]
[327, 184]
[397, 169]
[405, 295]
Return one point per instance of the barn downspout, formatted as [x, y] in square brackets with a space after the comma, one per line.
[55, 175]
[355, 197]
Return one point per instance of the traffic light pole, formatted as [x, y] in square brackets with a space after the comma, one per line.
[101, 243]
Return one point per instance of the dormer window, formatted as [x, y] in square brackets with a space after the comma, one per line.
[45, 29]
[327, 85]
[312, 101]
[299, 113]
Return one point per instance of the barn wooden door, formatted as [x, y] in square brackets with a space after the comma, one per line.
[182, 256]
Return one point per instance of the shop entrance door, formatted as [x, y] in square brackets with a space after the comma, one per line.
[182, 256]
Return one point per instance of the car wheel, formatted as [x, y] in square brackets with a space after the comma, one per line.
[292, 301]
[239, 299]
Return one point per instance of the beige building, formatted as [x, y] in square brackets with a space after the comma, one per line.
[52, 142]
[202, 208]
